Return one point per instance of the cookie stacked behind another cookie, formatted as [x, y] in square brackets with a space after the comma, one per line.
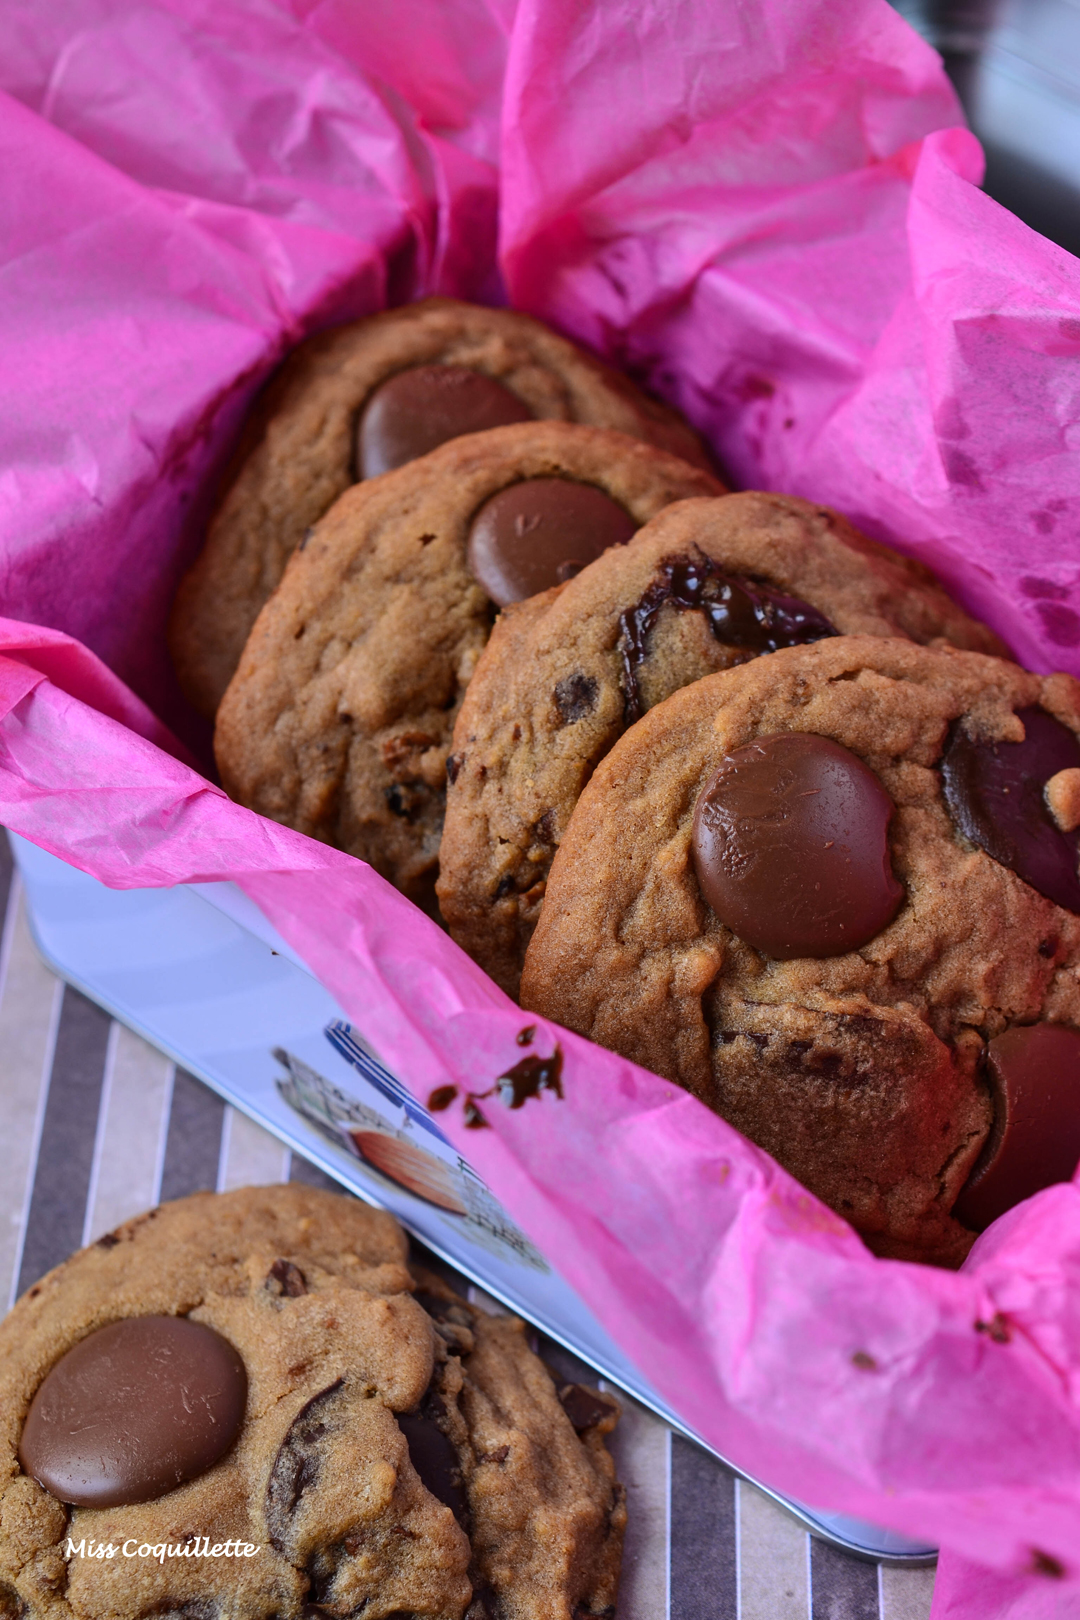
[812, 889]
[392, 1452]
[356, 401]
[338, 720]
[705, 585]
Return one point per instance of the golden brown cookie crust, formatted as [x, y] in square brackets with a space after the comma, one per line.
[354, 1347]
[548, 1513]
[296, 453]
[339, 718]
[548, 699]
[858, 1072]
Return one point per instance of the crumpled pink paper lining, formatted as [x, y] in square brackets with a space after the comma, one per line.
[764, 210]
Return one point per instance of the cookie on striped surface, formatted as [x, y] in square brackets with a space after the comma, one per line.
[259, 1372]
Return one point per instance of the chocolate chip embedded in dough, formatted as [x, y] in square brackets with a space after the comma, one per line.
[522, 536]
[575, 697]
[790, 845]
[435, 1459]
[419, 409]
[585, 1407]
[405, 800]
[1034, 1071]
[296, 1466]
[545, 832]
[286, 1278]
[133, 1411]
[995, 794]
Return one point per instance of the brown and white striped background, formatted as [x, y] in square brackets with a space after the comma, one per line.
[96, 1125]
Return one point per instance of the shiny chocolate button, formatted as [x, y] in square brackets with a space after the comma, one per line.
[539, 533]
[435, 1459]
[790, 845]
[417, 410]
[134, 1410]
[1034, 1073]
[996, 795]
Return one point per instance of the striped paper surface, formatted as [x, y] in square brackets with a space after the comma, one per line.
[97, 1125]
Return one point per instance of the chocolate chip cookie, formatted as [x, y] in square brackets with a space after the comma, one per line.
[339, 718]
[358, 401]
[705, 585]
[814, 890]
[246, 1404]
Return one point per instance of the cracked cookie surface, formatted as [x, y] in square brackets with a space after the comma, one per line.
[394, 1456]
[859, 1072]
[565, 673]
[297, 451]
[339, 718]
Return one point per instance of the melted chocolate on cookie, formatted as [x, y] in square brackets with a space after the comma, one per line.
[133, 1411]
[297, 1465]
[994, 791]
[740, 613]
[417, 410]
[1034, 1072]
[435, 1458]
[790, 844]
[536, 534]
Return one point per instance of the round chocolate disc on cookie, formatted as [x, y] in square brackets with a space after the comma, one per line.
[417, 410]
[703, 586]
[791, 847]
[540, 533]
[761, 895]
[996, 794]
[358, 401]
[1034, 1072]
[353, 1356]
[133, 1411]
[338, 721]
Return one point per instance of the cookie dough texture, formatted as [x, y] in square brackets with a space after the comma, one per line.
[548, 699]
[859, 1073]
[296, 455]
[321, 1478]
[338, 721]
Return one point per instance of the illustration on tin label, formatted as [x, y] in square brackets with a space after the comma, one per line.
[393, 1149]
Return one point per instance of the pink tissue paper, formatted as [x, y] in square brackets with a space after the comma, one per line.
[768, 212]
